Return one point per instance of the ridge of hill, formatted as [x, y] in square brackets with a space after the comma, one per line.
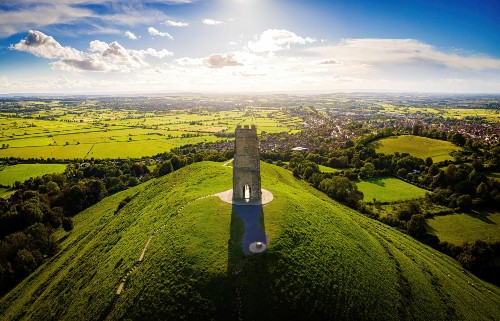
[324, 261]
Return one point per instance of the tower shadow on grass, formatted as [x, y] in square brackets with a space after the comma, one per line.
[247, 272]
[247, 226]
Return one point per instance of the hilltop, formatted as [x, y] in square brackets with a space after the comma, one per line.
[324, 261]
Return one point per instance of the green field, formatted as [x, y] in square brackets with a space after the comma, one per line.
[21, 172]
[389, 189]
[324, 261]
[86, 132]
[326, 169]
[417, 146]
[458, 113]
[460, 228]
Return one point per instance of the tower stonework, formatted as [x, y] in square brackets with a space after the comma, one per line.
[246, 164]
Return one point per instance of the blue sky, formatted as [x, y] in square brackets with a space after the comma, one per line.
[106, 46]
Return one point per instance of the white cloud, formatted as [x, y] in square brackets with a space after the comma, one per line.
[222, 60]
[351, 64]
[399, 52]
[111, 57]
[132, 17]
[175, 1]
[211, 22]
[189, 62]
[80, 2]
[99, 46]
[153, 53]
[4, 81]
[328, 62]
[41, 45]
[277, 39]
[101, 56]
[174, 23]
[21, 15]
[130, 35]
[90, 63]
[154, 32]
[14, 21]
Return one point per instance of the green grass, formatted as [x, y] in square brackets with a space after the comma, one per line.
[326, 169]
[389, 189]
[21, 172]
[460, 228]
[421, 147]
[5, 192]
[324, 261]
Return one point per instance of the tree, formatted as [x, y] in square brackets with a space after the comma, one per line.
[73, 199]
[165, 168]
[177, 162]
[42, 239]
[31, 211]
[95, 191]
[417, 226]
[115, 184]
[402, 172]
[458, 139]
[52, 188]
[341, 189]
[433, 169]
[482, 191]
[24, 262]
[417, 129]
[464, 202]
[54, 216]
[139, 169]
[476, 256]
[408, 210]
[67, 224]
[368, 170]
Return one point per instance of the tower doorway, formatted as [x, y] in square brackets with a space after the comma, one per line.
[247, 191]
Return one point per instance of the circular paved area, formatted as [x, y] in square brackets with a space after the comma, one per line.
[257, 247]
[227, 197]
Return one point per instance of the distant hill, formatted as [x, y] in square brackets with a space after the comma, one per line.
[324, 261]
[416, 146]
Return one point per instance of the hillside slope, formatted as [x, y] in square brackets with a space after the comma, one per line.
[324, 261]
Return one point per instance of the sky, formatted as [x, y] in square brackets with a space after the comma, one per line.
[249, 46]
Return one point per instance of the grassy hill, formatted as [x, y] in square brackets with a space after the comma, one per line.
[417, 146]
[324, 261]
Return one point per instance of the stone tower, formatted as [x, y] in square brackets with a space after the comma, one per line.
[246, 164]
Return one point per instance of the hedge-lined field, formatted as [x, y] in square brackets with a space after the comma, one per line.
[389, 189]
[21, 172]
[460, 228]
[417, 146]
[86, 132]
